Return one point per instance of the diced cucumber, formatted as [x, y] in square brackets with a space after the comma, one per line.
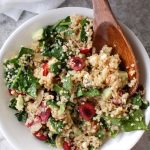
[106, 94]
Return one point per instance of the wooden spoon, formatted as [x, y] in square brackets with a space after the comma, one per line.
[107, 31]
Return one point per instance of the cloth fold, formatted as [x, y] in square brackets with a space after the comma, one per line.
[15, 8]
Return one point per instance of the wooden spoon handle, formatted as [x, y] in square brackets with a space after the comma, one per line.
[103, 13]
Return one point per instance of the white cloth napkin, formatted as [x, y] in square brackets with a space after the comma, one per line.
[14, 8]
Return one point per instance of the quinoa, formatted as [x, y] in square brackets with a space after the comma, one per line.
[68, 95]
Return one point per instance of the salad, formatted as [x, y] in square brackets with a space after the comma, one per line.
[69, 95]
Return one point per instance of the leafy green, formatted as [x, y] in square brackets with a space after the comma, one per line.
[52, 140]
[114, 133]
[56, 67]
[22, 79]
[101, 134]
[113, 121]
[91, 147]
[12, 103]
[139, 101]
[57, 125]
[61, 91]
[83, 36]
[68, 32]
[67, 83]
[79, 91]
[52, 103]
[20, 76]
[89, 92]
[12, 61]
[63, 24]
[92, 92]
[25, 82]
[135, 122]
[57, 88]
[22, 116]
[52, 41]
[25, 50]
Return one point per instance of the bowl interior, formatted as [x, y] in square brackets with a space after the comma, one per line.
[16, 133]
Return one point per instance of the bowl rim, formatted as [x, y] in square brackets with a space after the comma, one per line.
[30, 21]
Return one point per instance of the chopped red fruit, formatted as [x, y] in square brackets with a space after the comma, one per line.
[45, 115]
[41, 136]
[37, 119]
[77, 63]
[66, 145]
[29, 123]
[116, 101]
[84, 50]
[87, 111]
[45, 69]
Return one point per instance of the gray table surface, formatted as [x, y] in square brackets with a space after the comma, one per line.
[134, 13]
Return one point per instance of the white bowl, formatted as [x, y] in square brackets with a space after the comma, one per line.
[16, 133]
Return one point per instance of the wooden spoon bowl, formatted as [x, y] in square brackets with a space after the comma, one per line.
[107, 31]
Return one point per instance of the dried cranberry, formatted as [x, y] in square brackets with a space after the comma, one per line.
[84, 50]
[87, 111]
[66, 145]
[77, 63]
[40, 135]
[45, 69]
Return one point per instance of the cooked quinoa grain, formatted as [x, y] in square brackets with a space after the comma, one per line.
[67, 94]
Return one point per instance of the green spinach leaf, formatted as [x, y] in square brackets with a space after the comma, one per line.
[83, 36]
[22, 116]
[57, 125]
[67, 83]
[12, 103]
[135, 122]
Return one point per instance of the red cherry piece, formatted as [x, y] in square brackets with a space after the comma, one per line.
[37, 119]
[87, 111]
[29, 123]
[40, 135]
[45, 115]
[77, 63]
[66, 145]
[45, 69]
[84, 50]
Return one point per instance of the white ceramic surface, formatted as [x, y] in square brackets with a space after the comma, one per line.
[16, 133]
